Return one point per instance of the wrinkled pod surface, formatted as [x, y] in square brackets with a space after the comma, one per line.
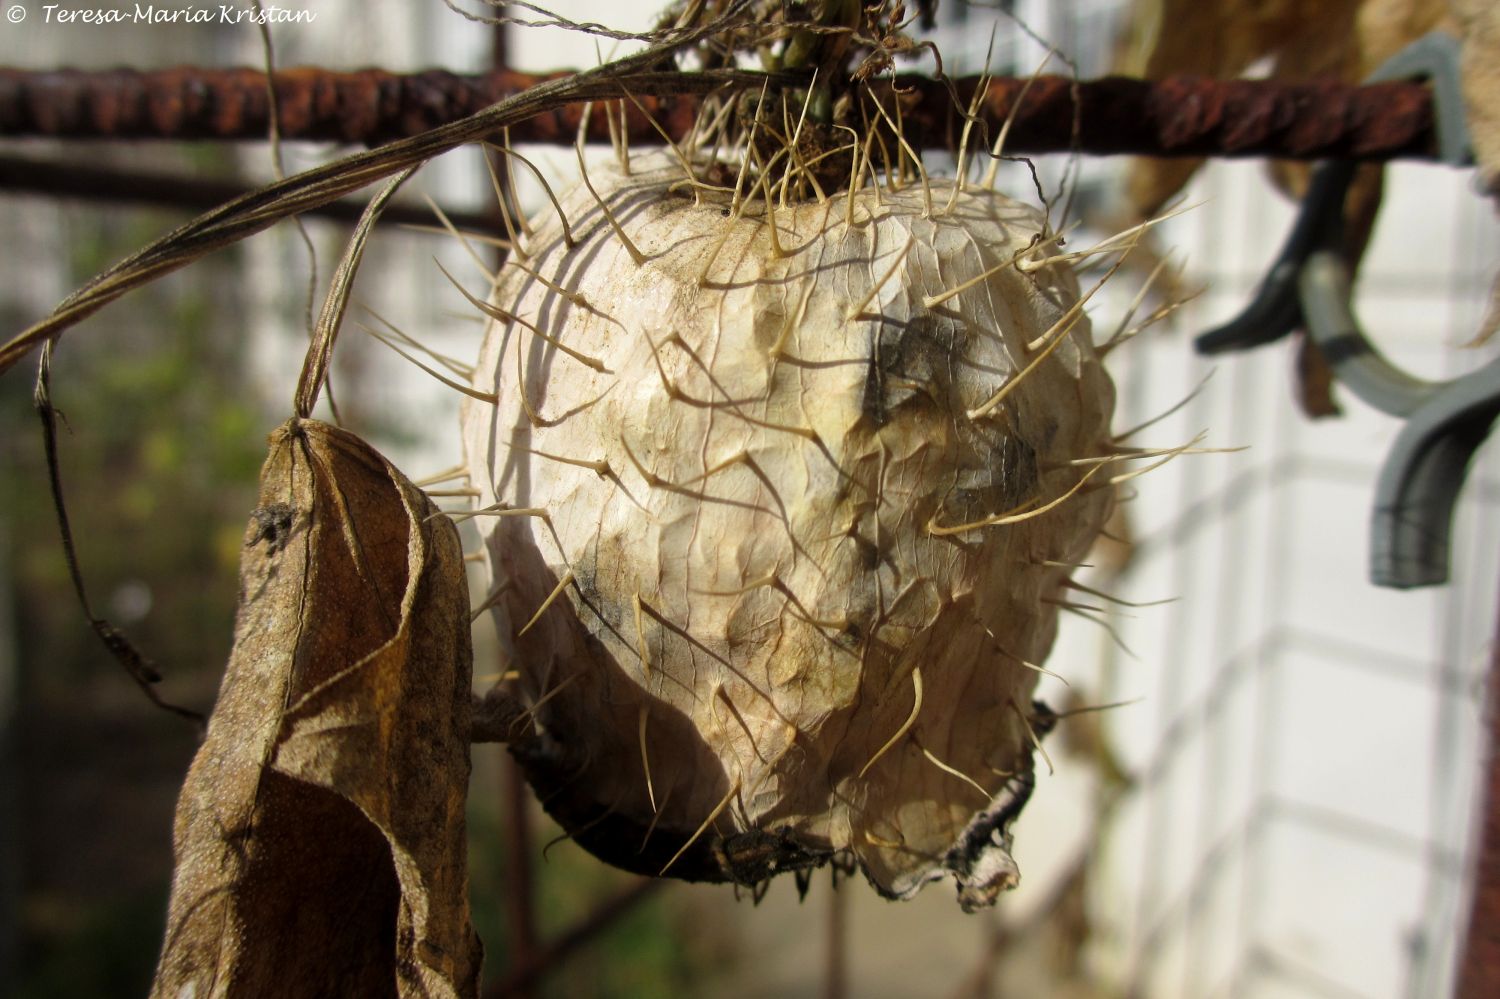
[777, 520]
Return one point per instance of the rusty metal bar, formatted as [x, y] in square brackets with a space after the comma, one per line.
[63, 179]
[520, 886]
[1479, 964]
[551, 956]
[1179, 116]
[520, 883]
[836, 957]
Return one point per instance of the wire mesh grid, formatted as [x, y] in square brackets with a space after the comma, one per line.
[1306, 746]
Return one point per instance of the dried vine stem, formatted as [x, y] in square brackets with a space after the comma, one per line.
[260, 209]
[325, 331]
[135, 663]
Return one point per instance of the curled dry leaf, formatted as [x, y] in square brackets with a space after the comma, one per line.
[320, 834]
[1479, 29]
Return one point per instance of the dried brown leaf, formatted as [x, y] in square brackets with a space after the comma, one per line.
[320, 833]
[1479, 30]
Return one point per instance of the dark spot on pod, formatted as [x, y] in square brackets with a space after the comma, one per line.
[909, 363]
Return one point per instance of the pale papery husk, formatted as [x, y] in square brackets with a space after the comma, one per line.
[751, 504]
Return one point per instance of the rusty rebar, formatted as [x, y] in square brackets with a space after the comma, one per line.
[1479, 963]
[61, 178]
[520, 883]
[555, 952]
[519, 889]
[1179, 116]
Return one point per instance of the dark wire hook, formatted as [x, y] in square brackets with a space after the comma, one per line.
[1309, 287]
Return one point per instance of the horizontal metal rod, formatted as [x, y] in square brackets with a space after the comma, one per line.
[63, 179]
[1178, 116]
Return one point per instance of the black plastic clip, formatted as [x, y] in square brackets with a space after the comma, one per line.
[1309, 287]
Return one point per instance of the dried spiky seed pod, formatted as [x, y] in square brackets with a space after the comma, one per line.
[783, 496]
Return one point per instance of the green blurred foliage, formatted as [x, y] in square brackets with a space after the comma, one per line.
[109, 950]
[159, 453]
[159, 456]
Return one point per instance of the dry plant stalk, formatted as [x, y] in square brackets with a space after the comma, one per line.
[320, 833]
